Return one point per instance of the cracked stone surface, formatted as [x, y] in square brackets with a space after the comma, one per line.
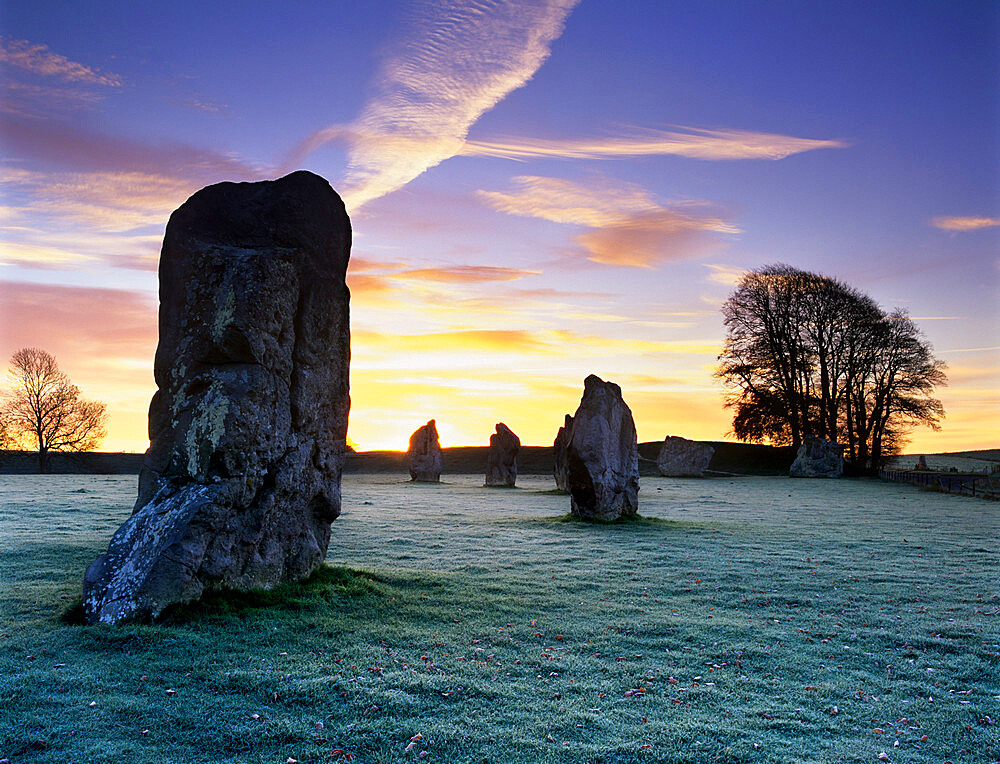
[818, 458]
[560, 467]
[248, 424]
[602, 455]
[680, 457]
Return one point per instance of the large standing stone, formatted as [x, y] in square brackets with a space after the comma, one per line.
[425, 454]
[248, 424]
[501, 461]
[602, 455]
[560, 464]
[680, 457]
[818, 458]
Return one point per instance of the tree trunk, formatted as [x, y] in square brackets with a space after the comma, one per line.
[43, 461]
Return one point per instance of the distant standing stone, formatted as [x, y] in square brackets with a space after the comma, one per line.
[248, 424]
[560, 465]
[602, 455]
[501, 461]
[680, 457]
[425, 454]
[921, 463]
[818, 458]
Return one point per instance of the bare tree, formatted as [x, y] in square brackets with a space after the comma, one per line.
[6, 440]
[45, 409]
[808, 355]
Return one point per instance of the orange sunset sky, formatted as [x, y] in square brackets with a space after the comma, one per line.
[539, 190]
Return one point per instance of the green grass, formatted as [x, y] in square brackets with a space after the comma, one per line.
[751, 620]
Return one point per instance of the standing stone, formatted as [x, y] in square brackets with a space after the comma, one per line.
[818, 458]
[921, 463]
[425, 454]
[248, 424]
[501, 462]
[680, 457]
[602, 455]
[560, 466]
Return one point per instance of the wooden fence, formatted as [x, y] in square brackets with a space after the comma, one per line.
[967, 483]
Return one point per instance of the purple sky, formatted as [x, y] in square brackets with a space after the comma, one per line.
[539, 190]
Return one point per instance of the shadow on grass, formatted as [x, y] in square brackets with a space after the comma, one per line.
[628, 521]
[327, 587]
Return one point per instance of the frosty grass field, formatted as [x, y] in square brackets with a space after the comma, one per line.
[751, 619]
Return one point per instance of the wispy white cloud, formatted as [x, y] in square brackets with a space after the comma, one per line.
[596, 203]
[628, 225]
[38, 59]
[37, 82]
[964, 223]
[692, 142]
[369, 277]
[457, 61]
[727, 275]
[107, 186]
[110, 201]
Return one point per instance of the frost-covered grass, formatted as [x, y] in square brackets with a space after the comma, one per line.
[755, 619]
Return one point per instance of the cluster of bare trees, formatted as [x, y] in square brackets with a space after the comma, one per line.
[42, 409]
[806, 355]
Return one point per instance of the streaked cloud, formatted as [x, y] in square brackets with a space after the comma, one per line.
[38, 82]
[111, 201]
[40, 256]
[373, 277]
[82, 324]
[38, 59]
[468, 274]
[964, 223]
[629, 226]
[692, 142]
[30, 100]
[456, 61]
[505, 340]
[596, 203]
[728, 275]
[73, 147]
[106, 184]
[471, 348]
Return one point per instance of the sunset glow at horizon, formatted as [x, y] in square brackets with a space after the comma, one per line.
[539, 189]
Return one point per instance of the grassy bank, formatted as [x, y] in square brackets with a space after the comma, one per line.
[757, 619]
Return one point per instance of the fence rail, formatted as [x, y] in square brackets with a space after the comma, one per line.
[966, 483]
